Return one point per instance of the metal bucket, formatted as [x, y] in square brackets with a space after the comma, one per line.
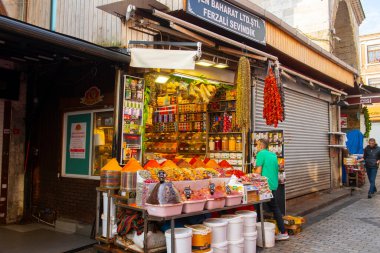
[128, 181]
[110, 179]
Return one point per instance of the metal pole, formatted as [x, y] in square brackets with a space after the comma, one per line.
[145, 216]
[262, 224]
[172, 234]
[97, 212]
[108, 214]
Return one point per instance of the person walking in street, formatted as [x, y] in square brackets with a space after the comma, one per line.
[371, 159]
[267, 166]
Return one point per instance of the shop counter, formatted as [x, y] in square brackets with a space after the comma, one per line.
[148, 218]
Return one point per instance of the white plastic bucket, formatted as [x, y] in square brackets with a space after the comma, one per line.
[235, 227]
[219, 229]
[269, 234]
[220, 247]
[249, 217]
[236, 246]
[182, 240]
[250, 242]
[105, 205]
[113, 226]
[248, 228]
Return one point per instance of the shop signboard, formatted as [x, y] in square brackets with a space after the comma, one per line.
[229, 17]
[77, 141]
[343, 120]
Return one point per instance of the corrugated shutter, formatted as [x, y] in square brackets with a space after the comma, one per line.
[306, 127]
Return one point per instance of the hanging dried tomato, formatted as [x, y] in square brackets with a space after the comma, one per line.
[273, 110]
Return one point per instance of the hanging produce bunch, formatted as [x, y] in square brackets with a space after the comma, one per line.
[243, 103]
[273, 110]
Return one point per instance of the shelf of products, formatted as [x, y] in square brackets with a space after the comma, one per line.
[133, 125]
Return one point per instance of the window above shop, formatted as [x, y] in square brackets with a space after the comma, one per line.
[373, 54]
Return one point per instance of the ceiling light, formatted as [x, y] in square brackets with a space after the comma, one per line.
[31, 58]
[17, 59]
[2, 42]
[205, 63]
[162, 79]
[45, 58]
[221, 65]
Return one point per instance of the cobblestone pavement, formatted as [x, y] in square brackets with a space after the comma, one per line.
[354, 228]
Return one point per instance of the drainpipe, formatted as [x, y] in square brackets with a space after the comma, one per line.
[53, 14]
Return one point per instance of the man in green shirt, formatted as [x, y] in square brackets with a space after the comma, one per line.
[267, 166]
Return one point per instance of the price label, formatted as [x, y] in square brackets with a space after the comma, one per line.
[188, 192]
[228, 189]
[212, 188]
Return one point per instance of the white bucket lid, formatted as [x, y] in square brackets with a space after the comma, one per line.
[199, 229]
[253, 234]
[246, 213]
[219, 245]
[232, 218]
[236, 242]
[267, 225]
[179, 233]
[215, 222]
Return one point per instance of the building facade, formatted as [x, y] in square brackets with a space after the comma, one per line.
[74, 197]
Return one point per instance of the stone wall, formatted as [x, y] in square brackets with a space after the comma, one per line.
[346, 37]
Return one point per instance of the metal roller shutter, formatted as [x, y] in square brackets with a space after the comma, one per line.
[306, 127]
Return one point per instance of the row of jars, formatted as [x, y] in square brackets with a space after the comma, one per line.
[225, 143]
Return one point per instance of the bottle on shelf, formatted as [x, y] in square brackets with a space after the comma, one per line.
[218, 143]
[232, 143]
[225, 143]
[211, 144]
[239, 145]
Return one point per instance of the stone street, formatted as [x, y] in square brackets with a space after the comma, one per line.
[351, 225]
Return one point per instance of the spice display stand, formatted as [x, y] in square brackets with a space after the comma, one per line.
[355, 176]
[148, 218]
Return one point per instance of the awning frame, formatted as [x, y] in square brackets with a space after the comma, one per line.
[16, 27]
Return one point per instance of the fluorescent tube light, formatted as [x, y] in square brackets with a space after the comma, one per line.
[204, 63]
[162, 79]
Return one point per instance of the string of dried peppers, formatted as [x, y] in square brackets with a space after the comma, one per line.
[243, 103]
[273, 110]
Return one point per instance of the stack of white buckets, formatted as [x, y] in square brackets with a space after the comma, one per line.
[234, 233]
[113, 225]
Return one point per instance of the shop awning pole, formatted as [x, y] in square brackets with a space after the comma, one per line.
[211, 34]
[338, 92]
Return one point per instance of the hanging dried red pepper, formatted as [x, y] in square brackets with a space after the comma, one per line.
[273, 110]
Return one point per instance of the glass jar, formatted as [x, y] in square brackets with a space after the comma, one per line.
[211, 144]
[225, 143]
[218, 143]
[239, 145]
[232, 144]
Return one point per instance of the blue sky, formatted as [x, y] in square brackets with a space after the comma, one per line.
[371, 24]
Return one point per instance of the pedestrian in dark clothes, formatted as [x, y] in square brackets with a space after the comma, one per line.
[372, 159]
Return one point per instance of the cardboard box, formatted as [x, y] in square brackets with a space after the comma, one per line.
[250, 194]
